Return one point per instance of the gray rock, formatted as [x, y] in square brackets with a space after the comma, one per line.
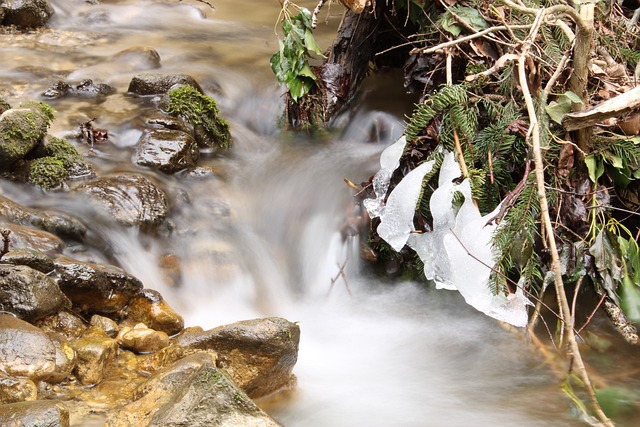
[95, 288]
[21, 129]
[192, 392]
[26, 13]
[167, 150]
[59, 224]
[32, 238]
[258, 354]
[29, 294]
[132, 200]
[157, 84]
[150, 308]
[29, 257]
[25, 350]
[16, 389]
[95, 351]
[38, 413]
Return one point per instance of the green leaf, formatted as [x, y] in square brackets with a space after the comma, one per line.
[617, 401]
[306, 71]
[595, 167]
[558, 108]
[471, 17]
[310, 43]
[573, 97]
[450, 25]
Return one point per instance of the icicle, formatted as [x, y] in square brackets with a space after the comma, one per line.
[389, 162]
[396, 222]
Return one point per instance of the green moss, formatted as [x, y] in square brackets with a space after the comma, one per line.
[47, 172]
[61, 149]
[202, 110]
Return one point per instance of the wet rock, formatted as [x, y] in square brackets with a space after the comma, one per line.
[96, 288]
[64, 322]
[29, 294]
[258, 354]
[166, 150]
[141, 339]
[192, 392]
[21, 129]
[150, 308]
[109, 326]
[25, 350]
[38, 413]
[4, 105]
[154, 362]
[26, 13]
[59, 224]
[28, 237]
[65, 358]
[132, 200]
[95, 351]
[157, 84]
[74, 164]
[85, 89]
[29, 257]
[14, 389]
[138, 58]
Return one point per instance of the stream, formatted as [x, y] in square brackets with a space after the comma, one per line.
[261, 236]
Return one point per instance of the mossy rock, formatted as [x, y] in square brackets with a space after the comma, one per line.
[21, 130]
[75, 164]
[47, 172]
[202, 112]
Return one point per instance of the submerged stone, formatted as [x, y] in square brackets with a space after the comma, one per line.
[32, 238]
[132, 200]
[157, 84]
[167, 150]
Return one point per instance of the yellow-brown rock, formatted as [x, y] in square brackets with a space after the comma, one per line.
[95, 351]
[14, 389]
[141, 339]
[25, 350]
[150, 308]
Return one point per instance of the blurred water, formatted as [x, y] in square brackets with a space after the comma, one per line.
[261, 236]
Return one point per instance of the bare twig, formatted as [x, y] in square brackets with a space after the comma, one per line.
[6, 240]
[316, 12]
[563, 303]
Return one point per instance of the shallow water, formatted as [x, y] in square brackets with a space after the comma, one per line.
[260, 237]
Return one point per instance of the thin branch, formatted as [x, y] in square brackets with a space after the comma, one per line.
[467, 38]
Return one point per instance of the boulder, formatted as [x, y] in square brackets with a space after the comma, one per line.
[28, 237]
[150, 308]
[167, 150]
[37, 413]
[95, 288]
[29, 294]
[259, 354]
[29, 257]
[192, 392]
[16, 389]
[157, 84]
[132, 200]
[141, 339]
[26, 13]
[25, 350]
[95, 351]
[57, 223]
[64, 322]
[21, 129]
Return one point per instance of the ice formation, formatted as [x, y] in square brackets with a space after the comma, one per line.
[389, 162]
[457, 254]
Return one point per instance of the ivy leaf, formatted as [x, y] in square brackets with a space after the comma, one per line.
[311, 44]
[595, 167]
[608, 262]
[558, 108]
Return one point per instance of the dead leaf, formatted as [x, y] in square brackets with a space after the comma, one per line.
[630, 125]
[356, 6]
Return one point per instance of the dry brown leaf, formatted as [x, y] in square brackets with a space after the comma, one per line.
[356, 6]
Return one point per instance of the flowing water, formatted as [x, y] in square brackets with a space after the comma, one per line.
[261, 236]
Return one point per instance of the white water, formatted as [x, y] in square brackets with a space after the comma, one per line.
[261, 239]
